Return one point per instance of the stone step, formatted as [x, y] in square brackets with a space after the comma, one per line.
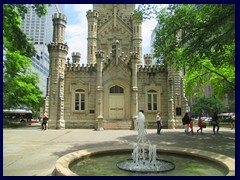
[117, 124]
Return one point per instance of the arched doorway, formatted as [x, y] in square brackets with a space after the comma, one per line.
[116, 102]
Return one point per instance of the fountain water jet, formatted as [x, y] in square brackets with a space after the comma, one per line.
[144, 155]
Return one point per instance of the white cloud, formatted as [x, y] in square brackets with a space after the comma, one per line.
[76, 30]
[77, 41]
[147, 29]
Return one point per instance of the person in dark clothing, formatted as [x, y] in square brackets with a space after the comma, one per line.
[44, 121]
[186, 120]
[215, 122]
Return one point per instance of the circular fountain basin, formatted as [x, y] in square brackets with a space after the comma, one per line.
[64, 164]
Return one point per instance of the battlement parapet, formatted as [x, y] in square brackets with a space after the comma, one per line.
[59, 16]
[147, 56]
[76, 54]
[92, 14]
[152, 68]
[99, 54]
[148, 59]
[78, 67]
[57, 46]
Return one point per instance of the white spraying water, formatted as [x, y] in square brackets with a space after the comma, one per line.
[144, 154]
[139, 155]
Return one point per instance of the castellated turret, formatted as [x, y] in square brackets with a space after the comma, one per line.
[92, 17]
[76, 56]
[58, 51]
[147, 59]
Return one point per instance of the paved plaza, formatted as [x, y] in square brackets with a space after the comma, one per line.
[29, 151]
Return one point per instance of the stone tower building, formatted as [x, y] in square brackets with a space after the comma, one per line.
[108, 92]
[58, 50]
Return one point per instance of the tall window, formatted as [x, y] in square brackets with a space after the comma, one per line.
[79, 100]
[152, 100]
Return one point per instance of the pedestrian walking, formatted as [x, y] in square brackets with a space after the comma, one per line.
[215, 122]
[159, 123]
[186, 120]
[191, 126]
[44, 121]
[201, 125]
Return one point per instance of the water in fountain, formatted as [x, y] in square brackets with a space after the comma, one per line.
[144, 155]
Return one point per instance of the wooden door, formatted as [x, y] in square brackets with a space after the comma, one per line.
[116, 106]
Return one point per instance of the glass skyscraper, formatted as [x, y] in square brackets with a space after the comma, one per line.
[40, 29]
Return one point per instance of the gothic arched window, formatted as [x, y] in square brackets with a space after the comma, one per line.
[79, 100]
[116, 89]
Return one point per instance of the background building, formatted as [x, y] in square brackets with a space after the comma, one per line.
[40, 29]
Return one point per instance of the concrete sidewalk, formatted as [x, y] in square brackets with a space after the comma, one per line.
[33, 152]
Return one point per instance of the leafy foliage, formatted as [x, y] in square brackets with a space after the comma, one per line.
[207, 106]
[138, 16]
[20, 84]
[202, 39]
[148, 11]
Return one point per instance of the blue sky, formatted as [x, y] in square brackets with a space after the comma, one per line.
[76, 30]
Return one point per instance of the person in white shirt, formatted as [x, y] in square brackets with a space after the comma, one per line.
[159, 123]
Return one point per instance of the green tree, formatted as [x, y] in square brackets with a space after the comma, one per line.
[19, 83]
[207, 106]
[200, 38]
[149, 11]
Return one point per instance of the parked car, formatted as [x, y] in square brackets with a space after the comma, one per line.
[203, 118]
[208, 119]
[34, 121]
[225, 117]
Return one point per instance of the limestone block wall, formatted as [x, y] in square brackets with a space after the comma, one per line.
[152, 77]
[85, 80]
[153, 81]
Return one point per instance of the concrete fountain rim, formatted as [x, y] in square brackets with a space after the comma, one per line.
[63, 163]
